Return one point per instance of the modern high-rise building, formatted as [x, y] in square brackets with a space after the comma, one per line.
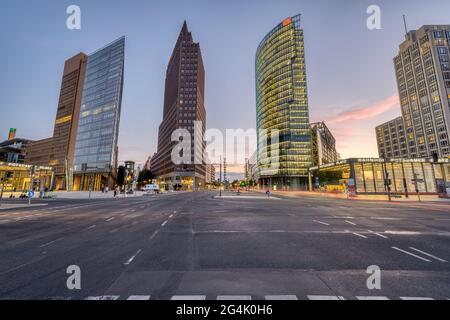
[391, 139]
[423, 76]
[83, 148]
[324, 144]
[282, 105]
[58, 151]
[96, 150]
[184, 108]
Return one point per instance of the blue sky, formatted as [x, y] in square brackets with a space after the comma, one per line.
[349, 68]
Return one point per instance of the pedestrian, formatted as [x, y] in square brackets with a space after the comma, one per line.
[115, 192]
[268, 193]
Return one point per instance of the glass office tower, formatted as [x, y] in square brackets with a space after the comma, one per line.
[282, 104]
[95, 161]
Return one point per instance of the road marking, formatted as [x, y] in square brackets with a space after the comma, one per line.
[321, 298]
[49, 243]
[359, 235]
[325, 224]
[103, 298]
[171, 216]
[428, 255]
[129, 261]
[415, 298]
[379, 234]
[91, 227]
[164, 223]
[140, 298]
[403, 233]
[282, 298]
[110, 219]
[234, 298]
[349, 222]
[153, 235]
[411, 254]
[186, 298]
[372, 298]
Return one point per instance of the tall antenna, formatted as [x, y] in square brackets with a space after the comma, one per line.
[404, 22]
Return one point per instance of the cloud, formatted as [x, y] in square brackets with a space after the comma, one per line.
[368, 111]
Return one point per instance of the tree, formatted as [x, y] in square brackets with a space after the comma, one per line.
[121, 176]
[145, 176]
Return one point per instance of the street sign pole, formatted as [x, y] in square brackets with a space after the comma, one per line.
[31, 185]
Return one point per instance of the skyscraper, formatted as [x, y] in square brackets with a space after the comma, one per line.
[96, 149]
[184, 109]
[282, 105]
[423, 77]
[58, 151]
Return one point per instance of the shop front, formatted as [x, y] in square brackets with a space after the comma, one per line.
[382, 176]
[22, 178]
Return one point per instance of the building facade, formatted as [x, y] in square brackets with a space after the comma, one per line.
[391, 139]
[380, 176]
[58, 151]
[96, 150]
[22, 178]
[323, 144]
[282, 107]
[14, 150]
[423, 76]
[210, 173]
[184, 109]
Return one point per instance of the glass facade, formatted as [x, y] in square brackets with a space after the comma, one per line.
[370, 176]
[98, 126]
[282, 104]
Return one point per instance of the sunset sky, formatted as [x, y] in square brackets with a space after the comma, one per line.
[350, 70]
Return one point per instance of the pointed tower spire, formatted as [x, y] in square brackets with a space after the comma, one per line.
[185, 27]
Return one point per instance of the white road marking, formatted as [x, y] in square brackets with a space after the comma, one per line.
[110, 219]
[91, 227]
[322, 298]
[282, 298]
[359, 235]
[187, 298]
[379, 234]
[372, 298]
[234, 298]
[411, 254]
[349, 222]
[428, 255]
[153, 235]
[129, 261]
[171, 216]
[164, 223]
[103, 298]
[49, 243]
[416, 298]
[324, 223]
[403, 233]
[141, 298]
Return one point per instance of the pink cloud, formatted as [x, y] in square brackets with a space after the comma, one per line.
[367, 112]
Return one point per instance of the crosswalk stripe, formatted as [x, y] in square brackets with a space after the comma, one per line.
[103, 298]
[283, 298]
[234, 298]
[326, 298]
[371, 298]
[139, 298]
[187, 298]
[416, 298]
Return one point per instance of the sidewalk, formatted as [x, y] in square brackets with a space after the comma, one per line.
[381, 197]
[6, 206]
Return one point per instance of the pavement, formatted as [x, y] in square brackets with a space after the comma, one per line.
[194, 246]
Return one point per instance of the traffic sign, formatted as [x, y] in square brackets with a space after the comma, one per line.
[31, 194]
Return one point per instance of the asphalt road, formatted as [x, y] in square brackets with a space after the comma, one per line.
[194, 246]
